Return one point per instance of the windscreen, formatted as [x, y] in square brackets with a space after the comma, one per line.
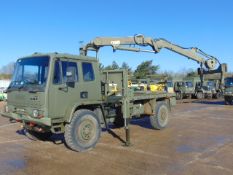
[188, 84]
[210, 83]
[169, 84]
[30, 73]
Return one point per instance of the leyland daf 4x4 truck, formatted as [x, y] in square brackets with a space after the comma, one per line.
[63, 93]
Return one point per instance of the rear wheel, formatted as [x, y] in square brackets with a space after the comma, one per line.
[160, 119]
[83, 132]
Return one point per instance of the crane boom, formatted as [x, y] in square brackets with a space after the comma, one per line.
[120, 43]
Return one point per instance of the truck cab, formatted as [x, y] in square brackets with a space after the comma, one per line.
[43, 92]
[184, 89]
[211, 88]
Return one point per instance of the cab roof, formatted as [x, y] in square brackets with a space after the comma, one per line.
[61, 55]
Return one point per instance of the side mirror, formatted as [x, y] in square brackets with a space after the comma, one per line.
[70, 79]
[69, 74]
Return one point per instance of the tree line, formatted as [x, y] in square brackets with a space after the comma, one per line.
[144, 70]
[147, 69]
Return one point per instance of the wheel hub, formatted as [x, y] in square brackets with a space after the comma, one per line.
[86, 130]
[163, 116]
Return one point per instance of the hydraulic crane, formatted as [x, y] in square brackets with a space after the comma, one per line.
[208, 63]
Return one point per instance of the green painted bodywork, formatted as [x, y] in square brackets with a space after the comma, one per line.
[57, 103]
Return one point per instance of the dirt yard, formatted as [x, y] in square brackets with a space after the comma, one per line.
[198, 141]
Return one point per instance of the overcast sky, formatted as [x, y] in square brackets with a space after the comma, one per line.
[28, 26]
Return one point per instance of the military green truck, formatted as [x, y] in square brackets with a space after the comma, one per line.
[184, 88]
[193, 87]
[63, 93]
[212, 88]
[189, 87]
[228, 92]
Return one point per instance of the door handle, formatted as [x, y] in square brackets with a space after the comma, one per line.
[63, 88]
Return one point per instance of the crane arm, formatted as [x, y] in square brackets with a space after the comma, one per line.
[156, 45]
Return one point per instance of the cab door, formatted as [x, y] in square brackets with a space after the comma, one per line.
[64, 90]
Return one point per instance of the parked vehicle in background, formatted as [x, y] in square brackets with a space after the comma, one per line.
[213, 89]
[189, 87]
[228, 92]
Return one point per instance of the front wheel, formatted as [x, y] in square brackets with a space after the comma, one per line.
[83, 132]
[160, 119]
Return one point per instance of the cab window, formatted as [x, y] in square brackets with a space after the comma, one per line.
[69, 68]
[57, 73]
[65, 71]
[88, 72]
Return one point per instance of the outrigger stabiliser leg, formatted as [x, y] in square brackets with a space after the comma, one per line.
[127, 132]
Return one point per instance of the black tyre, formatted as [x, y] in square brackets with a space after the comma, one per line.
[179, 96]
[160, 119]
[226, 102]
[218, 95]
[83, 132]
[189, 96]
[200, 95]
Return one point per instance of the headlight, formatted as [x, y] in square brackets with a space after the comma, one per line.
[35, 113]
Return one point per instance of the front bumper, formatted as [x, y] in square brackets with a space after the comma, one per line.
[27, 119]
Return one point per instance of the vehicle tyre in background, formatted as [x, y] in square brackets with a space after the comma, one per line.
[218, 95]
[189, 96]
[200, 95]
[179, 96]
[228, 101]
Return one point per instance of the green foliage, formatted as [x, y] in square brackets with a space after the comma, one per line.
[7, 69]
[145, 69]
[126, 66]
[192, 73]
[112, 67]
[115, 65]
